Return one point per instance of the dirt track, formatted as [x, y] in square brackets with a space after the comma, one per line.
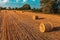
[18, 25]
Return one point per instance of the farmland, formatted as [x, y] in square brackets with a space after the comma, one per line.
[19, 25]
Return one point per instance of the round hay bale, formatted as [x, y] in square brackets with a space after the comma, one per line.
[45, 27]
[35, 17]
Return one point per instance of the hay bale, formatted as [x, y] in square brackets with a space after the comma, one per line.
[35, 17]
[23, 11]
[45, 27]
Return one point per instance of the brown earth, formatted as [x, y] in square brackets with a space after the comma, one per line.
[19, 25]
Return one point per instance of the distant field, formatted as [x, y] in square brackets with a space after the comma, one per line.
[19, 25]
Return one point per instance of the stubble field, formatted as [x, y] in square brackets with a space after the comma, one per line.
[19, 25]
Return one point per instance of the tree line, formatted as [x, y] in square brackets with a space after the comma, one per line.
[46, 6]
[24, 7]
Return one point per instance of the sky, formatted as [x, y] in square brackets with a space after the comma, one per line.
[20, 3]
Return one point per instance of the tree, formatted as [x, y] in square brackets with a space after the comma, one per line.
[10, 8]
[49, 6]
[16, 8]
[0, 8]
[55, 6]
[26, 7]
[4, 8]
[36, 10]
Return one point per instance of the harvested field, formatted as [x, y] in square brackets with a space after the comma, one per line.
[18, 25]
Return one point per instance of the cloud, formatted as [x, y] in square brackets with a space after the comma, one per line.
[24, 1]
[33, 0]
[17, 0]
[5, 1]
[2, 2]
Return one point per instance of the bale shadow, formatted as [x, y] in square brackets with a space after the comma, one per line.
[56, 28]
[40, 18]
